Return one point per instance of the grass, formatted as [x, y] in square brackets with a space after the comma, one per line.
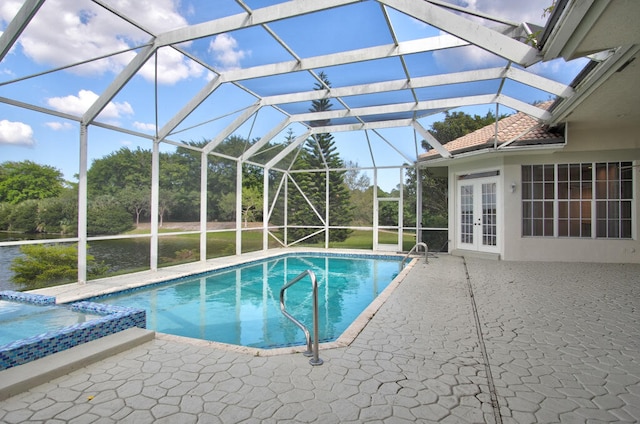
[185, 248]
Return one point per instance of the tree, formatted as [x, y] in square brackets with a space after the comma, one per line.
[354, 179]
[24, 217]
[44, 266]
[26, 180]
[106, 215]
[136, 201]
[251, 204]
[59, 214]
[360, 193]
[180, 176]
[457, 124]
[124, 168]
[320, 153]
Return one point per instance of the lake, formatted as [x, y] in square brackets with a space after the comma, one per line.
[127, 254]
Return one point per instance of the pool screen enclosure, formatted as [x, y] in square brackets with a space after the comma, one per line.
[258, 70]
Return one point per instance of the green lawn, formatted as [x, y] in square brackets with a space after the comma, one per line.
[185, 247]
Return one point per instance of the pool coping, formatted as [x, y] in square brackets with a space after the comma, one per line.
[95, 288]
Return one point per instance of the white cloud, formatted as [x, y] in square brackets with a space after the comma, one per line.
[531, 11]
[16, 133]
[172, 67]
[7, 72]
[78, 105]
[66, 32]
[465, 58]
[144, 126]
[59, 126]
[226, 52]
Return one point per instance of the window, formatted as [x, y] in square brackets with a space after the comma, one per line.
[538, 194]
[577, 200]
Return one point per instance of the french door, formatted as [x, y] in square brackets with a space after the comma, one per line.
[478, 214]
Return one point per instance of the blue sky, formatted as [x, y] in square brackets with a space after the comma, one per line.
[65, 33]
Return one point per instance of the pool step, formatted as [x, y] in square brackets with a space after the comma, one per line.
[24, 377]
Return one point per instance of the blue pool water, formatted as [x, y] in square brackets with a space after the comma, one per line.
[242, 306]
[24, 320]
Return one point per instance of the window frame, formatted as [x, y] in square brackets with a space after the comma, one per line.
[580, 200]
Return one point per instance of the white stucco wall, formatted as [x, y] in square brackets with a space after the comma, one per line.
[588, 145]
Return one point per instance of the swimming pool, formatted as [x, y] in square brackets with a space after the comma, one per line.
[240, 305]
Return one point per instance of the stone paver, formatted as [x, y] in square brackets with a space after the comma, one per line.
[562, 341]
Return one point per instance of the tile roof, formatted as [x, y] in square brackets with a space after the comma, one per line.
[526, 129]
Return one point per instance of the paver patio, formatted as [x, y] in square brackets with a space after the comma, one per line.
[559, 343]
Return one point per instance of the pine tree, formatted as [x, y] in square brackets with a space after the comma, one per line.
[320, 153]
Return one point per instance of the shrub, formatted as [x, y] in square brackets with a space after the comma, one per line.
[49, 265]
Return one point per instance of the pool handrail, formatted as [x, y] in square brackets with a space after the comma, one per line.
[312, 349]
[414, 248]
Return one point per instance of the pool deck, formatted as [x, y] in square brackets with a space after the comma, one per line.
[459, 340]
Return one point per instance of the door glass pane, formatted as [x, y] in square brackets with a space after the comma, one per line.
[489, 218]
[466, 214]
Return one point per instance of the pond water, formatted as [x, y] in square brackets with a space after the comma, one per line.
[117, 254]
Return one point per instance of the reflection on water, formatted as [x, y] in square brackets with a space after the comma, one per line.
[7, 254]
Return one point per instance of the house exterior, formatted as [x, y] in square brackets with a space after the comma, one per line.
[558, 182]
[521, 190]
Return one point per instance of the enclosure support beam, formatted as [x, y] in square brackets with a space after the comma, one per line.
[17, 25]
[433, 142]
[82, 207]
[291, 147]
[486, 38]
[204, 162]
[326, 210]
[155, 200]
[196, 101]
[418, 205]
[259, 16]
[241, 119]
[265, 139]
[439, 42]
[285, 213]
[401, 211]
[118, 83]
[265, 209]
[426, 105]
[238, 208]
[375, 208]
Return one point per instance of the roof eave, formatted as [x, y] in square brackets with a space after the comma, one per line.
[568, 25]
[486, 150]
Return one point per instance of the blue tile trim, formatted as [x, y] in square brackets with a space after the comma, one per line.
[35, 299]
[112, 320]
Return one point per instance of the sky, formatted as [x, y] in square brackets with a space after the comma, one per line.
[64, 33]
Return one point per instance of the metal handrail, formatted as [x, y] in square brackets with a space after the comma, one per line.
[312, 349]
[426, 252]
